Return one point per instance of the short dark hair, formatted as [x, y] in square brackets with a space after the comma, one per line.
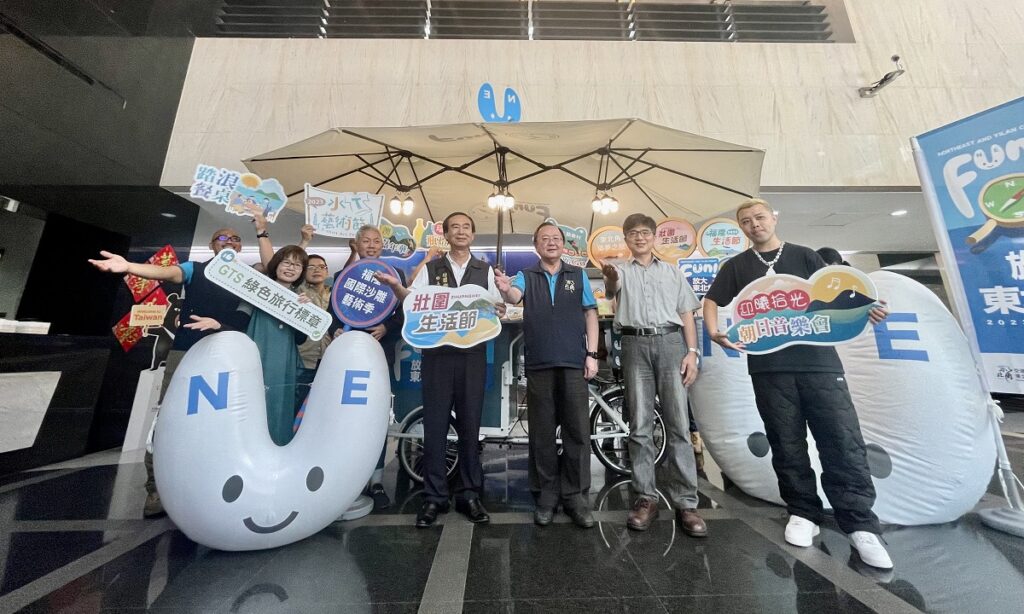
[560, 231]
[832, 256]
[286, 251]
[317, 256]
[638, 219]
[444, 224]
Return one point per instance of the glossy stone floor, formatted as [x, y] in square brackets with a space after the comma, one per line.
[72, 539]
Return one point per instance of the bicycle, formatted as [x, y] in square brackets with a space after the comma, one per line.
[609, 428]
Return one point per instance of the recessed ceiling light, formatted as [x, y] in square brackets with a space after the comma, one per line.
[899, 213]
[165, 214]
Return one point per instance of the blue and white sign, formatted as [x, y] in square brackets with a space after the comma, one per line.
[359, 299]
[700, 272]
[972, 172]
[486, 101]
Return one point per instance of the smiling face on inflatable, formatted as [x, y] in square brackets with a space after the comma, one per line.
[221, 478]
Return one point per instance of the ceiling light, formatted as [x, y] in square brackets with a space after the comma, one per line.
[168, 215]
[395, 205]
[899, 213]
[407, 205]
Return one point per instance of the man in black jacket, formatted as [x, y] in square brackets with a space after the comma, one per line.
[561, 334]
[798, 387]
[453, 380]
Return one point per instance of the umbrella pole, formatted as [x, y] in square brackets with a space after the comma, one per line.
[499, 259]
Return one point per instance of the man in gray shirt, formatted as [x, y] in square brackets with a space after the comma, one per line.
[654, 314]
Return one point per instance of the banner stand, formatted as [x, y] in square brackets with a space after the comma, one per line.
[1009, 519]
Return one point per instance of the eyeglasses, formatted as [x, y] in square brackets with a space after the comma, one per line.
[635, 234]
[550, 240]
[226, 238]
[291, 264]
[317, 267]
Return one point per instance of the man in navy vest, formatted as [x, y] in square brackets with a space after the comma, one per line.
[201, 297]
[453, 379]
[560, 328]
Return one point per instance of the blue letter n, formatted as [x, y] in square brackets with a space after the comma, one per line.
[218, 399]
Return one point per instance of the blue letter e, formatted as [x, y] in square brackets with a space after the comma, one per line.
[217, 399]
[351, 386]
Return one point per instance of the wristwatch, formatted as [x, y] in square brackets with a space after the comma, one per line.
[264, 234]
[592, 355]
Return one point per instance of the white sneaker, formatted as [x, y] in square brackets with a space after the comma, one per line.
[800, 531]
[871, 549]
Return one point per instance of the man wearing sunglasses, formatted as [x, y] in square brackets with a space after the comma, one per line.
[202, 298]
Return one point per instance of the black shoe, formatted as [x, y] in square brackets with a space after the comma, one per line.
[472, 509]
[428, 514]
[581, 518]
[542, 516]
[381, 501]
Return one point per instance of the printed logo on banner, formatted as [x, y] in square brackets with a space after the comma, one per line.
[147, 315]
[341, 214]
[486, 103]
[674, 239]
[608, 246]
[359, 299]
[574, 251]
[253, 287]
[240, 193]
[972, 166]
[777, 311]
[127, 334]
[721, 238]
[400, 242]
[700, 272]
[460, 317]
[140, 287]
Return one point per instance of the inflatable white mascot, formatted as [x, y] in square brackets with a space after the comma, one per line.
[221, 478]
[921, 407]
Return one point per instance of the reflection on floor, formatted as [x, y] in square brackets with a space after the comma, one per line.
[72, 539]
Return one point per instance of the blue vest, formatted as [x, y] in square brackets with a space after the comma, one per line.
[204, 298]
[555, 333]
[439, 273]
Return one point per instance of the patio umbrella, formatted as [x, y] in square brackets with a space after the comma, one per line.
[550, 168]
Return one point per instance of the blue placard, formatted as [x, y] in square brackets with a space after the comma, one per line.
[973, 174]
[359, 299]
[700, 272]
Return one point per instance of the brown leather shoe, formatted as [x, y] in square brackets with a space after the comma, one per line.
[643, 513]
[693, 524]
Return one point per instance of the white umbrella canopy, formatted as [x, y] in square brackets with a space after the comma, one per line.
[551, 168]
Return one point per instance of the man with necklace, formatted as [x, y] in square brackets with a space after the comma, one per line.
[799, 387]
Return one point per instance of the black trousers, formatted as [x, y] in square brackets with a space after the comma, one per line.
[558, 397]
[452, 381]
[789, 403]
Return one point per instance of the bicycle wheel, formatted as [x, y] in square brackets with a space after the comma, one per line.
[613, 451]
[410, 449]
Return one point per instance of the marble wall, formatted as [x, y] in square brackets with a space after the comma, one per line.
[799, 102]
